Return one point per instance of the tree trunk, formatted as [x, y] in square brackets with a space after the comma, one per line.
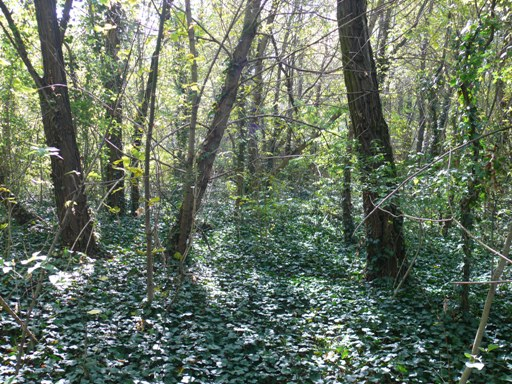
[68, 180]
[67, 176]
[382, 59]
[138, 133]
[420, 96]
[473, 48]
[204, 163]
[189, 204]
[384, 236]
[257, 123]
[150, 291]
[114, 137]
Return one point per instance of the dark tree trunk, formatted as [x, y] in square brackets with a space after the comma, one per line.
[68, 180]
[67, 176]
[439, 126]
[474, 48]
[204, 163]
[114, 137]
[384, 237]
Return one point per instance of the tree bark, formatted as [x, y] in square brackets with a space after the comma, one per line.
[384, 236]
[204, 163]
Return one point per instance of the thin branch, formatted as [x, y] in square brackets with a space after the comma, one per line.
[18, 44]
[23, 325]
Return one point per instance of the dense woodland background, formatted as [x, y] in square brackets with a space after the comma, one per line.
[255, 191]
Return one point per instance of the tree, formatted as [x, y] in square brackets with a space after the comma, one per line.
[384, 237]
[474, 44]
[152, 86]
[114, 85]
[193, 193]
[76, 227]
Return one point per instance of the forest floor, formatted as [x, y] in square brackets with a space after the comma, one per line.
[270, 297]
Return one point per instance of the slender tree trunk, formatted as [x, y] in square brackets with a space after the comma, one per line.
[257, 124]
[420, 95]
[114, 138]
[385, 243]
[439, 126]
[210, 146]
[140, 122]
[439, 123]
[189, 203]
[240, 149]
[147, 156]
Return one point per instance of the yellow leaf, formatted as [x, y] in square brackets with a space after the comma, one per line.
[94, 311]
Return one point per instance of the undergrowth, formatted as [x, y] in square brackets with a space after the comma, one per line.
[271, 296]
